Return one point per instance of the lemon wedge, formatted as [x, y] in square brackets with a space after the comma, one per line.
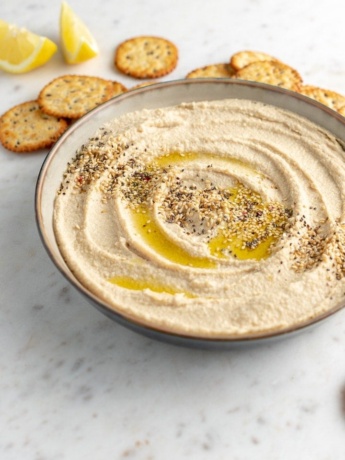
[22, 50]
[78, 45]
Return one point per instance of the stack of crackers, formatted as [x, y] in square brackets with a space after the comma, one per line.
[38, 124]
[262, 67]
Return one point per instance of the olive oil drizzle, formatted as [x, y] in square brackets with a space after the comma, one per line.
[248, 229]
[127, 282]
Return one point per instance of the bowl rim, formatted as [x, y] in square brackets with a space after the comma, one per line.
[131, 323]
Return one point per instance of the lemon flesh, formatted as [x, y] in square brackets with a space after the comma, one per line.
[22, 50]
[78, 45]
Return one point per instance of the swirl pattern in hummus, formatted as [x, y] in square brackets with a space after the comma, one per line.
[211, 219]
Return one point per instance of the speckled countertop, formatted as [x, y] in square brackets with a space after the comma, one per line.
[74, 384]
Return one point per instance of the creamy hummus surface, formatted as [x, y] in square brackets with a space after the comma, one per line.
[210, 219]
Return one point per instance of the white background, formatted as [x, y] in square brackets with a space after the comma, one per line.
[74, 384]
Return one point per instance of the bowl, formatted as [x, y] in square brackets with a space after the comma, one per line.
[156, 96]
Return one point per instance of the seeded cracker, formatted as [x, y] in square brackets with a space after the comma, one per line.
[25, 128]
[214, 70]
[327, 97]
[118, 88]
[144, 83]
[146, 57]
[273, 73]
[244, 58]
[72, 96]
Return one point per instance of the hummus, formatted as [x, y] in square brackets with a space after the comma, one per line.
[216, 219]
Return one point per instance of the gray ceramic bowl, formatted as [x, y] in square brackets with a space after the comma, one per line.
[154, 96]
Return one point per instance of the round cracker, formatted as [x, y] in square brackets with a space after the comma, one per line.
[143, 84]
[146, 57]
[117, 88]
[272, 73]
[327, 97]
[72, 96]
[244, 58]
[223, 70]
[25, 128]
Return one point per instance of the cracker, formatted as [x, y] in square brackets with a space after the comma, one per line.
[117, 88]
[224, 70]
[146, 57]
[144, 83]
[327, 97]
[72, 96]
[271, 72]
[244, 58]
[25, 128]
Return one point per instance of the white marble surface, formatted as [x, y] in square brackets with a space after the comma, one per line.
[74, 384]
